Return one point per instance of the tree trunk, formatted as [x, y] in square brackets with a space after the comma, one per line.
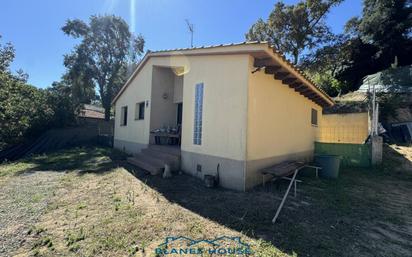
[295, 57]
[107, 113]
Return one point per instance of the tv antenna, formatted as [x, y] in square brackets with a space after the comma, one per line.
[191, 30]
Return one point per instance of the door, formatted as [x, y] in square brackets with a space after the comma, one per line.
[179, 114]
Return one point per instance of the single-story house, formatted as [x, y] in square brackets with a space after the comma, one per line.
[237, 108]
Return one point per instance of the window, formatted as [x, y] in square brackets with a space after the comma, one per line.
[197, 131]
[123, 117]
[314, 117]
[139, 113]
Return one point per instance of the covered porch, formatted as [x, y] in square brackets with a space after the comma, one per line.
[166, 106]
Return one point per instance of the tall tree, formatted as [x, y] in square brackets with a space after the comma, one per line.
[6, 56]
[383, 32]
[293, 29]
[24, 111]
[387, 24]
[106, 49]
[323, 64]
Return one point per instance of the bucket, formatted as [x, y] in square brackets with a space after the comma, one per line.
[330, 165]
[210, 181]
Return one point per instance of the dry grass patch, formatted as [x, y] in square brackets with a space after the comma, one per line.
[87, 202]
[111, 213]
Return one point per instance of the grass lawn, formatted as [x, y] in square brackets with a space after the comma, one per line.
[89, 202]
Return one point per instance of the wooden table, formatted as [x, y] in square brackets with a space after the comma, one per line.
[283, 170]
[169, 136]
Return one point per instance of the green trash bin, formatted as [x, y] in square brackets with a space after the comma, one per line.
[330, 165]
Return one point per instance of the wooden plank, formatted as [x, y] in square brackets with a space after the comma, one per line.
[272, 69]
[288, 81]
[301, 88]
[262, 62]
[281, 75]
[312, 94]
[295, 84]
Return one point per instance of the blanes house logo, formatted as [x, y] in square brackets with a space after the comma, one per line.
[224, 245]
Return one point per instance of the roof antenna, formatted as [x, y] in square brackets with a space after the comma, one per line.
[191, 30]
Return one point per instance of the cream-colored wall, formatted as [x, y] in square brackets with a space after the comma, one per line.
[224, 105]
[162, 110]
[350, 128]
[225, 79]
[136, 131]
[178, 90]
[279, 119]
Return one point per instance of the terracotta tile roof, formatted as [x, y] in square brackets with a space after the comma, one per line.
[275, 51]
[91, 111]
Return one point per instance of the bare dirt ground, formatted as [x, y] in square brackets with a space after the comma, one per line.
[88, 202]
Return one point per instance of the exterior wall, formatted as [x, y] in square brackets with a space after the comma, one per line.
[162, 111]
[178, 89]
[225, 81]
[224, 118]
[279, 124]
[350, 128]
[250, 121]
[135, 136]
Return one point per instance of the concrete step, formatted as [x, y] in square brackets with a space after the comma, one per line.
[147, 164]
[172, 150]
[173, 162]
[151, 158]
[161, 155]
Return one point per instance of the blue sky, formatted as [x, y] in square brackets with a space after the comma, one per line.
[34, 27]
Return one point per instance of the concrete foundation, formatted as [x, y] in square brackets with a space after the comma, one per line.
[128, 147]
[377, 145]
[231, 172]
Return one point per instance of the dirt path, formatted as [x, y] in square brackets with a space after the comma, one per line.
[391, 235]
[23, 200]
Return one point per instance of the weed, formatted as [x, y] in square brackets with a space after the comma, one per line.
[81, 206]
[75, 237]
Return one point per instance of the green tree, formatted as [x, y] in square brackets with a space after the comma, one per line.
[387, 24]
[369, 44]
[24, 111]
[323, 64]
[65, 107]
[105, 50]
[375, 39]
[294, 29]
[6, 56]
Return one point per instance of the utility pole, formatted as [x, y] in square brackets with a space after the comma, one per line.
[191, 31]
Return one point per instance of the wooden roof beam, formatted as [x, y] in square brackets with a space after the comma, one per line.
[307, 92]
[295, 84]
[272, 69]
[311, 95]
[288, 81]
[301, 88]
[258, 63]
[281, 75]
